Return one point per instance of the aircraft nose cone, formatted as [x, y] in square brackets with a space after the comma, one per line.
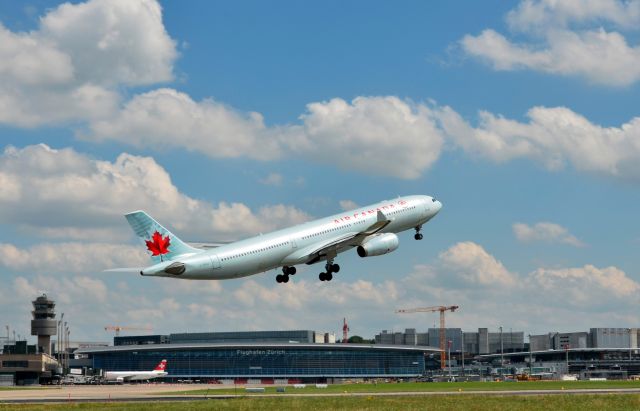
[438, 206]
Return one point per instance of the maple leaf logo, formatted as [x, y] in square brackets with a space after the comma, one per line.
[158, 245]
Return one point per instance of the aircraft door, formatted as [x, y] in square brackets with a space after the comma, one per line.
[424, 210]
[215, 261]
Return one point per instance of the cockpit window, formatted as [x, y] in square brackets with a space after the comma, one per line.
[433, 199]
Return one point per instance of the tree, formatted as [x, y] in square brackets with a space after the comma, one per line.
[356, 339]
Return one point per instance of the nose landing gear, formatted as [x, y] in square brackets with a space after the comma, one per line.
[418, 235]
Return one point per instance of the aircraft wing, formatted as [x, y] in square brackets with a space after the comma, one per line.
[208, 246]
[331, 247]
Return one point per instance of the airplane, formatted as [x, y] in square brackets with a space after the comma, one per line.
[125, 376]
[371, 230]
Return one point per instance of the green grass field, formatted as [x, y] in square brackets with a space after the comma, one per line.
[427, 387]
[440, 402]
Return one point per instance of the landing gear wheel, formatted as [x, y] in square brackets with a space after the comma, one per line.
[285, 279]
[418, 236]
[335, 268]
[279, 278]
[328, 277]
[322, 276]
[291, 271]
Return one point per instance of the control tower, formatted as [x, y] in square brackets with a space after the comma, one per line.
[44, 322]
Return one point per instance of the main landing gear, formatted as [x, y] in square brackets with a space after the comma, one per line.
[418, 235]
[331, 268]
[286, 272]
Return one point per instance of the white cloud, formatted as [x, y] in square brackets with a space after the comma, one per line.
[545, 299]
[273, 179]
[347, 205]
[305, 294]
[601, 57]
[71, 257]
[473, 266]
[166, 118]
[381, 135]
[113, 41]
[65, 289]
[464, 275]
[384, 135]
[535, 14]
[71, 67]
[87, 194]
[594, 53]
[585, 286]
[552, 136]
[547, 232]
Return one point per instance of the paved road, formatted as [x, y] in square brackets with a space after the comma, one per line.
[158, 392]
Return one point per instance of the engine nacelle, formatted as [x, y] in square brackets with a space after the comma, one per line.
[379, 245]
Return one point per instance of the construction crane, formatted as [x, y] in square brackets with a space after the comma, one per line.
[345, 331]
[118, 328]
[443, 338]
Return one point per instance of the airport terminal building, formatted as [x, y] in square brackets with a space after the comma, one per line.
[205, 357]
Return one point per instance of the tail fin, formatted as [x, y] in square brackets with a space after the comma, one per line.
[161, 366]
[162, 244]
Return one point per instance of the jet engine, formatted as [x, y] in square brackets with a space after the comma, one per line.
[379, 245]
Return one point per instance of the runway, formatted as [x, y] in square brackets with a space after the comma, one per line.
[159, 392]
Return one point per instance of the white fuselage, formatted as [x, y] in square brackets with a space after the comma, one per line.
[288, 247]
[133, 375]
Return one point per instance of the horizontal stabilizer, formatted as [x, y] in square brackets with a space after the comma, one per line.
[135, 270]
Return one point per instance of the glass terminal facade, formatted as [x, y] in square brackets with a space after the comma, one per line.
[265, 360]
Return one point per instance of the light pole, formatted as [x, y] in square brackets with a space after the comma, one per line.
[67, 350]
[59, 345]
[501, 352]
[462, 350]
[530, 357]
[64, 346]
[449, 347]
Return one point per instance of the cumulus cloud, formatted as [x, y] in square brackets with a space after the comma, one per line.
[66, 289]
[385, 135]
[347, 205]
[87, 194]
[381, 135]
[71, 257]
[554, 46]
[112, 42]
[553, 137]
[298, 294]
[465, 274]
[166, 118]
[70, 68]
[585, 286]
[474, 266]
[273, 179]
[545, 231]
[535, 14]
[489, 294]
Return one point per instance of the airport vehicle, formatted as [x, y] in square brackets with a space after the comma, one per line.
[126, 376]
[370, 230]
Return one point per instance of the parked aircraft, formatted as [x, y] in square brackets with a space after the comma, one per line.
[371, 230]
[125, 376]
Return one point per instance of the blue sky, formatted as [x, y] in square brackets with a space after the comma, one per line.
[229, 119]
